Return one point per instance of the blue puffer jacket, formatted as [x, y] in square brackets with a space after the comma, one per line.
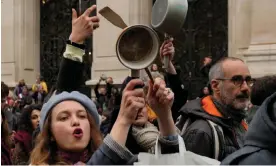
[260, 141]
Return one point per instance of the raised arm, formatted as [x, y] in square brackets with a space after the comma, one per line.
[70, 77]
[172, 78]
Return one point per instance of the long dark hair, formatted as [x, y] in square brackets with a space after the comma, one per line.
[4, 90]
[25, 122]
[5, 130]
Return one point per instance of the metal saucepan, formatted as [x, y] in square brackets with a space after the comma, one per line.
[137, 46]
[168, 17]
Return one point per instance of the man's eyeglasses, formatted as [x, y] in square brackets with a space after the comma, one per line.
[238, 80]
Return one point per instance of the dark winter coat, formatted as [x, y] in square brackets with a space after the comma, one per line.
[260, 141]
[199, 137]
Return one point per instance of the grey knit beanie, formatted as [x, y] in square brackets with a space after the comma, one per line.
[64, 96]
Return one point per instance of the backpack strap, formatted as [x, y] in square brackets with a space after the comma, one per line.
[182, 123]
[186, 124]
[216, 138]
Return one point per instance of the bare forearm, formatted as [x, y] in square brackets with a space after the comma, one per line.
[171, 69]
[119, 133]
[166, 125]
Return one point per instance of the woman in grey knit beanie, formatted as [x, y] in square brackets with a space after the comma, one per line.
[69, 125]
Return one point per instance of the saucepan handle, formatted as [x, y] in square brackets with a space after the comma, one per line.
[135, 74]
[166, 58]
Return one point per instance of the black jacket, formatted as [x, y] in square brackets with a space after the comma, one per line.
[70, 76]
[260, 141]
[198, 136]
[180, 94]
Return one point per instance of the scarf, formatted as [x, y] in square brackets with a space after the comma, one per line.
[237, 117]
[5, 154]
[24, 138]
[74, 157]
[145, 136]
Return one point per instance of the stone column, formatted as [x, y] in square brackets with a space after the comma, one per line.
[20, 41]
[105, 60]
[261, 54]
[239, 26]
[7, 45]
[252, 34]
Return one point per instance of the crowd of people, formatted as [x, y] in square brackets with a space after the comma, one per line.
[232, 121]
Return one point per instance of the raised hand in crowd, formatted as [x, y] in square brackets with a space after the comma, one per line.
[167, 49]
[69, 77]
[132, 102]
[84, 25]
[173, 79]
[160, 99]
[109, 80]
[207, 61]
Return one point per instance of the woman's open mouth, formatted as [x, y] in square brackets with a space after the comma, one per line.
[78, 133]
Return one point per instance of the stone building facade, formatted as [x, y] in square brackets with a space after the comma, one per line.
[251, 36]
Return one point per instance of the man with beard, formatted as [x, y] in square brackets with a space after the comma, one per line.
[215, 124]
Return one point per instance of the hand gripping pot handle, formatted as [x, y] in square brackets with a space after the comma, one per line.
[166, 59]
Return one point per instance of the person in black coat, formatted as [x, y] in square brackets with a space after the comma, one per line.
[260, 141]
[173, 79]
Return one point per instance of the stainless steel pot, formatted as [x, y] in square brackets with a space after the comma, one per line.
[137, 47]
[168, 16]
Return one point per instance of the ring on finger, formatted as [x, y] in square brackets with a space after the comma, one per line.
[168, 90]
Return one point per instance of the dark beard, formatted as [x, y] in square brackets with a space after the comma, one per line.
[230, 111]
[233, 103]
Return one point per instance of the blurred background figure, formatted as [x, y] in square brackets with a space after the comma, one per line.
[19, 88]
[28, 122]
[40, 90]
[154, 68]
[205, 91]
[5, 131]
[263, 87]
[106, 93]
[207, 63]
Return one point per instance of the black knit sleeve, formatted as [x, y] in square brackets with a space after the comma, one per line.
[70, 77]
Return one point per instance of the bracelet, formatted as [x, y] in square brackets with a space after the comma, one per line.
[171, 137]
